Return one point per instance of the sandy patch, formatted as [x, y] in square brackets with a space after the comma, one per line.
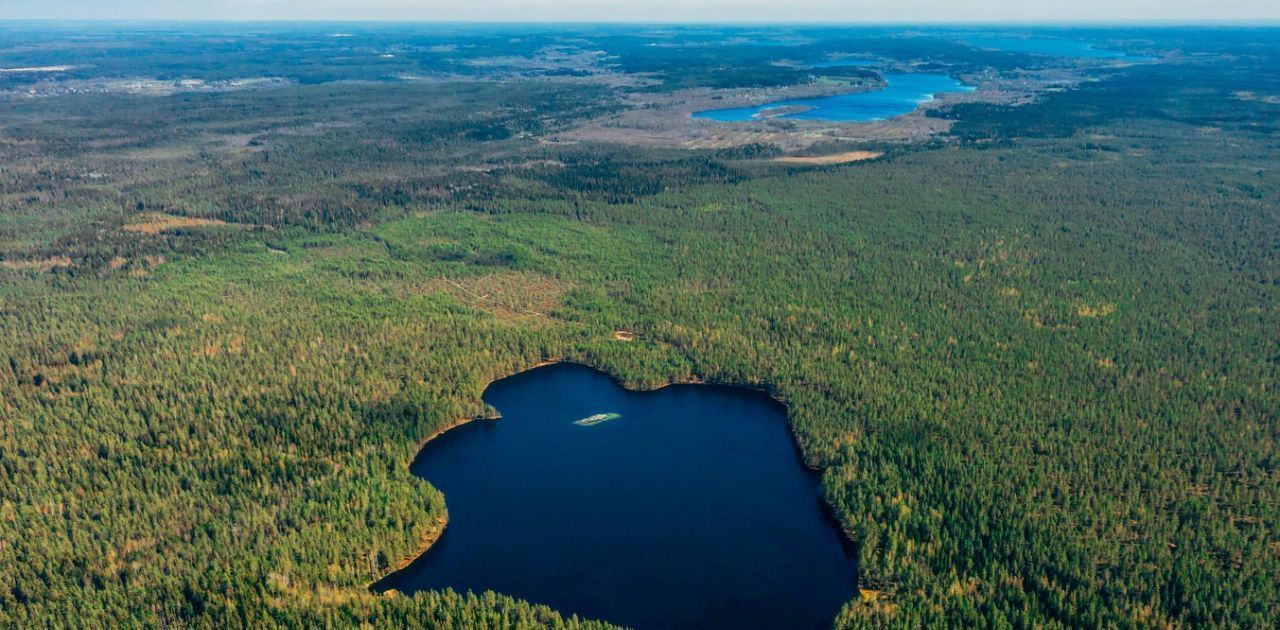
[837, 158]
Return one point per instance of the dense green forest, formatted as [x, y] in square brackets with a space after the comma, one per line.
[1036, 361]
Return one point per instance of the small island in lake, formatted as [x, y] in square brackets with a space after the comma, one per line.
[597, 419]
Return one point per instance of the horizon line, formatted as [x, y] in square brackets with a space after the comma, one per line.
[1268, 21]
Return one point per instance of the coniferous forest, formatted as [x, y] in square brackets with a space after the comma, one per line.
[1034, 354]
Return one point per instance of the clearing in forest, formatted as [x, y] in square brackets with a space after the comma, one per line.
[155, 223]
[835, 158]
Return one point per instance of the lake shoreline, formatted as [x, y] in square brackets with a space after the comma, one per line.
[435, 533]
[900, 94]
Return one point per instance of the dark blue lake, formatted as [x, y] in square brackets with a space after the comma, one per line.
[902, 95]
[691, 509]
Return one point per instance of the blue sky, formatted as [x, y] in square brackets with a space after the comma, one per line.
[654, 10]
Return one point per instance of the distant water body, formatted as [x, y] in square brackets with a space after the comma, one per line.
[1050, 46]
[688, 508]
[902, 95]
[844, 63]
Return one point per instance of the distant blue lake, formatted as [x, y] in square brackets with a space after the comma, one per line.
[847, 62]
[902, 95]
[690, 509]
[1050, 46]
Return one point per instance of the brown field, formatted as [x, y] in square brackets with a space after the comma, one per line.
[43, 265]
[157, 223]
[836, 158]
